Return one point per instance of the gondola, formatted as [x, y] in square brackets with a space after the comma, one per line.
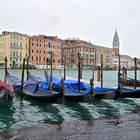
[127, 81]
[34, 90]
[130, 82]
[86, 92]
[130, 93]
[6, 94]
[98, 92]
[70, 88]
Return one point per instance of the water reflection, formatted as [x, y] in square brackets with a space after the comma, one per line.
[6, 117]
[50, 113]
[105, 109]
[79, 110]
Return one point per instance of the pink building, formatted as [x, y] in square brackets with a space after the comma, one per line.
[40, 47]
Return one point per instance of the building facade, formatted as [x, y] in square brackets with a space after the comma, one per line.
[107, 56]
[126, 61]
[14, 46]
[72, 46]
[40, 48]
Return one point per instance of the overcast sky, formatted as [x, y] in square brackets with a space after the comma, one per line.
[94, 20]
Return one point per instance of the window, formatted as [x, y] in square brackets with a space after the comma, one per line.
[14, 53]
[21, 45]
[10, 53]
[32, 58]
[49, 45]
[26, 46]
[36, 58]
[40, 58]
[40, 51]
[32, 51]
[32, 44]
[36, 51]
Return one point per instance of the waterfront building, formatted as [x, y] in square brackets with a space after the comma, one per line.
[126, 61]
[15, 47]
[40, 47]
[107, 56]
[138, 63]
[115, 61]
[71, 47]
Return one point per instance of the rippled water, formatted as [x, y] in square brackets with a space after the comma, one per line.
[26, 113]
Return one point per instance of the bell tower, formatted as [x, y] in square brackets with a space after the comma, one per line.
[116, 44]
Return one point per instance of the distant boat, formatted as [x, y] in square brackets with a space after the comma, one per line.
[130, 82]
[6, 94]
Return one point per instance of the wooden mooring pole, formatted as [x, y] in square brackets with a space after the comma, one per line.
[5, 69]
[46, 69]
[93, 71]
[101, 70]
[78, 72]
[27, 67]
[98, 73]
[81, 65]
[22, 78]
[135, 72]
[119, 71]
[65, 67]
[51, 73]
[123, 76]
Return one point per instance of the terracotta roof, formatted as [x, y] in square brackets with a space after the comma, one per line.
[45, 37]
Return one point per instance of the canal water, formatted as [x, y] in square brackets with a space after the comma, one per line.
[27, 113]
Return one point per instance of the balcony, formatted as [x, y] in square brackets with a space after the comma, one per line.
[16, 47]
[19, 57]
